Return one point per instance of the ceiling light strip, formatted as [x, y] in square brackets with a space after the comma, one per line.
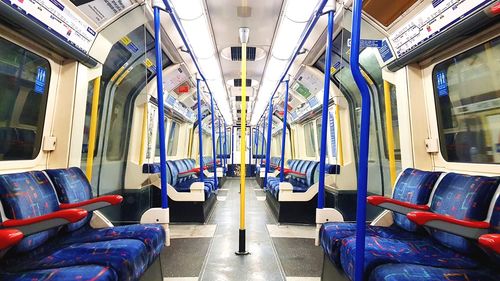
[315, 19]
[225, 111]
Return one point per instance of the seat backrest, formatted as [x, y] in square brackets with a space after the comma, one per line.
[71, 186]
[310, 173]
[173, 172]
[27, 195]
[463, 197]
[413, 186]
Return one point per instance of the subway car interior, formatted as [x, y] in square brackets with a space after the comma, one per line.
[277, 140]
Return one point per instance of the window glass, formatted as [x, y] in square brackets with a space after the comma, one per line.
[173, 139]
[467, 93]
[24, 80]
[309, 139]
[157, 151]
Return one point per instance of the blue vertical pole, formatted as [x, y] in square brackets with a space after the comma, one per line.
[213, 140]
[225, 148]
[324, 114]
[257, 147]
[220, 146]
[283, 136]
[363, 143]
[262, 148]
[161, 108]
[268, 148]
[200, 130]
[232, 150]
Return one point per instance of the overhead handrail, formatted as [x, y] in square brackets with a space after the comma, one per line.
[283, 135]
[200, 130]
[389, 133]
[363, 143]
[214, 151]
[93, 128]
[324, 114]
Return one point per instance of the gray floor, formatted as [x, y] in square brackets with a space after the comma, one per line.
[214, 258]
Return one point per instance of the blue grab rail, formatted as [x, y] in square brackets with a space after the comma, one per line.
[263, 140]
[257, 147]
[200, 130]
[268, 147]
[225, 148]
[213, 140]
[220, 145]
[324, 114]
[161, 109]
[363, 143]
[283, 135]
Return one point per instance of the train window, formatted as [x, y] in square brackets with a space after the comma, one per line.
[24, 77]
[309, 138]
[157, 150]
[173, 139]
[467, 93]
[318, 131]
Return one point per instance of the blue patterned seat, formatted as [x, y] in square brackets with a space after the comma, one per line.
[411, 272]
[460, 196]
[413, 186]
[71, 273]
[31, 194]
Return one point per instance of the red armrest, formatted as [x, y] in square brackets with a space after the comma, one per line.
[490, 241]
[376, 200]
[9, 238]
[110, 199]
[422, 218]
[71, 215]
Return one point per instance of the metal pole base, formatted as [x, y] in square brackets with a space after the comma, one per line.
[242, 251]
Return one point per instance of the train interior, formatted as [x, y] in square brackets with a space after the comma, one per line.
[182, 140]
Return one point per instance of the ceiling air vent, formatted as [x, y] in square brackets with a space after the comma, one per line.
[237, 82]
[238, 98]
[236, 53]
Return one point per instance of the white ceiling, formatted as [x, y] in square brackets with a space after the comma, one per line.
[225, 24]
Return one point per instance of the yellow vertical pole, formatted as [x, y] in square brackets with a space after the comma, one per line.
[144, 133]
[389, 132]
[340, 148]
[243, 131]
[93, 127]
[244, 33]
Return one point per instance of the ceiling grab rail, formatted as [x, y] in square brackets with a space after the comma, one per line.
[283, 134]
[200, 130]
[214, 151]
[268, 146]
[363, 143]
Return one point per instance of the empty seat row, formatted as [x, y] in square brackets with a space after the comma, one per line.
[181, 174]
[301, 174]
[438, 219]
[52, 210]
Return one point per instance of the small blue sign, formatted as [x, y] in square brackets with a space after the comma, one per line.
[385, 51]
[442, 84]
[313, 102]
[40, 80]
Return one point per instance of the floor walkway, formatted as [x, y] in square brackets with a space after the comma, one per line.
[206, 252]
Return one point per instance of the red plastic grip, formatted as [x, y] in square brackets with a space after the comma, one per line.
[71, 215]
[490, 241]
[376, 200]
[422, 218]
[9, 238]
[111, 199]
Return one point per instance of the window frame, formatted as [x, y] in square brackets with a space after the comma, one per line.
[48, 117]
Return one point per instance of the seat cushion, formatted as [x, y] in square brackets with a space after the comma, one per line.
[127, 257]
[71, 186]
[27, 195]
[71, 273]
[332, 234]
[380, 250]
[411, 272]
[152, 235]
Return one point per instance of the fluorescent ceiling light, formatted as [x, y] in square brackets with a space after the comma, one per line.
[196, 28]
[291, 29]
